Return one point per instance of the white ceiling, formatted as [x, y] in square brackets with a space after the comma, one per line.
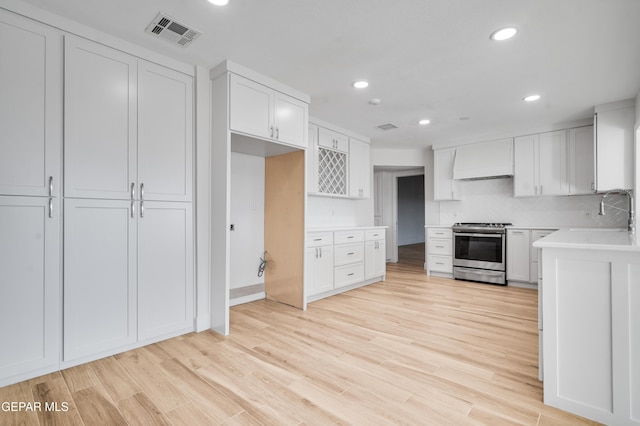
[423, 58]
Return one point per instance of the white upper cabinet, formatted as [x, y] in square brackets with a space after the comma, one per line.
[131, 142]
[100, 121]
[581, 170]
[31, 107]
[614, 163]
[333, 140]
[541, 164]
[359, 169]
[553, 163]
[444, 185]
[260, 111]
[165, 133]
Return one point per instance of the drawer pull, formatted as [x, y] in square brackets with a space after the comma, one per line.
[350, 254]
[353, 273]
[317, 239]
[439, 246]
[439, 263]
[351, 236]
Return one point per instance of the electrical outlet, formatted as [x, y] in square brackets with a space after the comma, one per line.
[588, 214]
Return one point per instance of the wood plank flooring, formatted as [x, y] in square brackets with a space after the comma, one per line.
[412, 350]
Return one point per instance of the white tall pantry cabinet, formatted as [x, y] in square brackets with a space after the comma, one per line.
[128, 224]
[30, 149]
[125, 198]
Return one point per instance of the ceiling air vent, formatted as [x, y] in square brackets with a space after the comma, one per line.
[169, 29]
[385, 127]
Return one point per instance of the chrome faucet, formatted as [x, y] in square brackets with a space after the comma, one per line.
[632, 215]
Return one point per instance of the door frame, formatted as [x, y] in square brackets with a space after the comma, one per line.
[394, 211]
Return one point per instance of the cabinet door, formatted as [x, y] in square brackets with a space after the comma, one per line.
[444, 185]
[614, 148]
[581, 168]
[165, 269]
[525, 179]
[333, 140]
[250, 107]
[165, 133]
[29, 285]
[374, 259]
[100, 121]
[31, 107]
[99, 276]
[359, 169]
[291, 120]
[553, 163]
[518, 246]
[319, 270]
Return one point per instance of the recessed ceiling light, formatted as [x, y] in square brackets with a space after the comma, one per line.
[219, 2]
[531, 98]
[361, 84]
[503, 34]
[424, 121]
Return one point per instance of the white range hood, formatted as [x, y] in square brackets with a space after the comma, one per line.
[484, 160]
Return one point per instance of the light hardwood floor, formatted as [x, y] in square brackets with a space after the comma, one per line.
[412, 350]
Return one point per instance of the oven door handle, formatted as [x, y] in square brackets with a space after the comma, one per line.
[480, 271]
[464, 234]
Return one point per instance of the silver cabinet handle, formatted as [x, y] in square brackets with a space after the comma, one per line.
[133, 191]
[50, 186]
[351, 274]
[50, 207]
[316, 252]
[271, 131]
[277, 133]
[320, 251]
[141, 208]
[141, 191]
[350, 254]
[133, 209]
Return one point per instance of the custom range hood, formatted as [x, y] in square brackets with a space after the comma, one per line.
[484, 160]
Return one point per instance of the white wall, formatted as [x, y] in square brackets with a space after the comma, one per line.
[492, 201]
[247, 216]
[411, 210]
[398, 157]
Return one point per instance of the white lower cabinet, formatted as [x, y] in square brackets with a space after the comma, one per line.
[319, 263]
[341, 260]
[165, 269]
[29, 287]
[375, 254]
[522, 258]
[128, 274]
[440, 250]
[100, 276]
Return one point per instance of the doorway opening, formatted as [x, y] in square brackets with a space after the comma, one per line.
[399, 204]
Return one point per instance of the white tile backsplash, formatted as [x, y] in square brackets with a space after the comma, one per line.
[492, 200]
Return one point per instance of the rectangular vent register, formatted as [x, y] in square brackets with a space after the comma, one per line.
[167, 28]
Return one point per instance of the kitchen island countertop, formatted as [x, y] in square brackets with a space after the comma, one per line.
[594, 239]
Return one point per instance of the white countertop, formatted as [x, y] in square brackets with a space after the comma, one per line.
[343, 228]
[591, 239]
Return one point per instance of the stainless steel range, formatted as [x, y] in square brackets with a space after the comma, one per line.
[479, 252]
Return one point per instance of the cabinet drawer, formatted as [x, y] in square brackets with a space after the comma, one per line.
[348, 274]
[438, 246]
[348, 253]
[374, 234]
[439, 233]
[316, 239]
[440, 264]
[341, 237]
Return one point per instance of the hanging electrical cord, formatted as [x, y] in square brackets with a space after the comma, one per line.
[263, 264]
